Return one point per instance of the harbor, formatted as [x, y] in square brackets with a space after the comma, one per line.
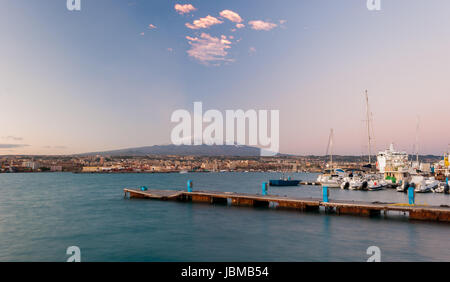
[223, 140]
[392, 168]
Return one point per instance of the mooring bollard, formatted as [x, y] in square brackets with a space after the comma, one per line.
[411, 194]
[189, 186]
[264, 188]
[326, 193]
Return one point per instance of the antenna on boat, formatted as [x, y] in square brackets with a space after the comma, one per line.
[368, 126]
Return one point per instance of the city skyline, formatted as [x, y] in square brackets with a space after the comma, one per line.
[110, 76]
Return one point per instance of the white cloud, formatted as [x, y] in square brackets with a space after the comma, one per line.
[184, 9]
[239, 25]
[151, 26]
[232, 16]
[10, 137]
[262, 25]
[12, 146]
[205, 22]
[208, 49]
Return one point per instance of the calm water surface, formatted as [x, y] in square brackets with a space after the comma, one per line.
[43, 214]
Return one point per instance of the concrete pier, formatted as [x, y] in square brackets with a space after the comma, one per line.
[416, 212]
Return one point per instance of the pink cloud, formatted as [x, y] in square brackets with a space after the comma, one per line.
[208, 49]
[239, 25]
[262, 25]
[151, 26]
[232, 16]
[184, 9]
[205, 22]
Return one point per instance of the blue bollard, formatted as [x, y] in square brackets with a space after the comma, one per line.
[144, 188]
[264, 188]
[325, 193]
[190, 184]
[411, 194]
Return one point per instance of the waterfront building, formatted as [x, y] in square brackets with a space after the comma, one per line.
[31, 164]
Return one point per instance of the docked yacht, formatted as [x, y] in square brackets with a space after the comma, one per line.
[332, 178]
[403, 187]
[346, 183]
[358, 184]
[423, 184]
[441, 188]
[374, 185]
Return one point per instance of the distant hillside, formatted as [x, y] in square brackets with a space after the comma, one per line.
[227, 150]
[184, 150]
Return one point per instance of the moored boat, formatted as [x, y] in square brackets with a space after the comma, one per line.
[403, 187]
[374, 186]
[284, 182]
[345, 183]
[358, 184]
[424, 185]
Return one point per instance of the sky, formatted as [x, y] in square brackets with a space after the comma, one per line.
[111, 75]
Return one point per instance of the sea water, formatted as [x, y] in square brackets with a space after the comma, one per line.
[42, 214]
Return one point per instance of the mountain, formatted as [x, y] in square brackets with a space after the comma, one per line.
[185, 150]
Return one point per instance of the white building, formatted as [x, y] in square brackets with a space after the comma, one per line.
[31, 164]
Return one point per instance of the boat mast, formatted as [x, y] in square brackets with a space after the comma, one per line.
[330, 147]
[417, 140]
[368, 126]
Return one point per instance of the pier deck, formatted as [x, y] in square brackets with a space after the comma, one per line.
[417, 212]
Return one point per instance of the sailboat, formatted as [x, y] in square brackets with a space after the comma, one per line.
[331, 177]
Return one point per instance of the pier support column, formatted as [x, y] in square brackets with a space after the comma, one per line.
[219, 200]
